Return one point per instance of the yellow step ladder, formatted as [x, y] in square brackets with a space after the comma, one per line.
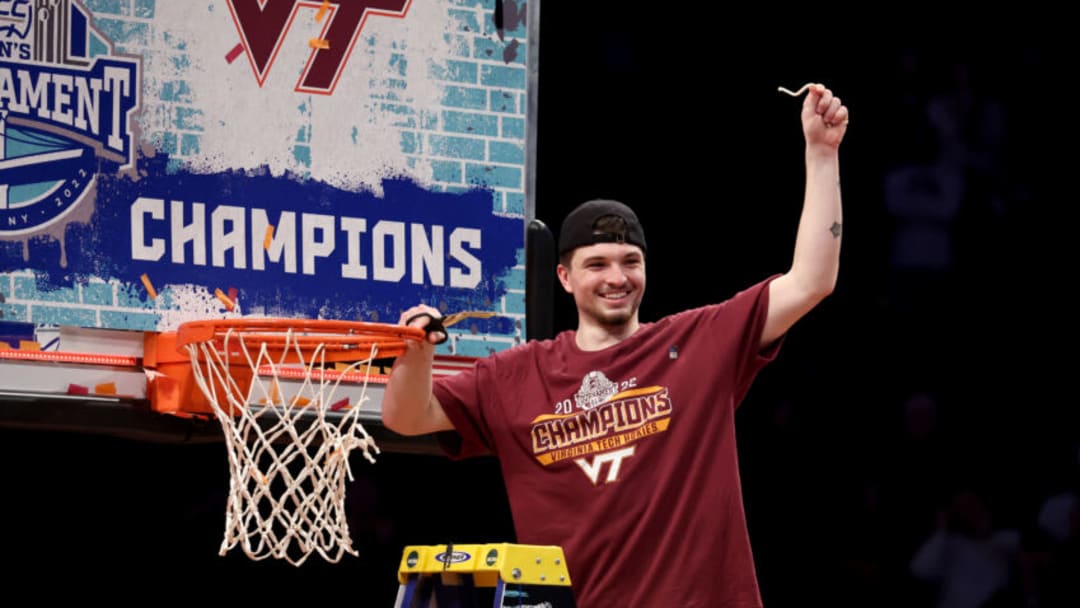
[501, 575]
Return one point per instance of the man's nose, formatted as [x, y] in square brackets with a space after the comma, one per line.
[615, 274]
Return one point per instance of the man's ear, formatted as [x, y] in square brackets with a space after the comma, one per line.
[564, 277]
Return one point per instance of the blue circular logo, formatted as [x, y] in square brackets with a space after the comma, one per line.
[43, 177]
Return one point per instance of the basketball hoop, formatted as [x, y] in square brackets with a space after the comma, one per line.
[289, 441]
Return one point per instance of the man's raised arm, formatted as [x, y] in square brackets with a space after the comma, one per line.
[816, 261]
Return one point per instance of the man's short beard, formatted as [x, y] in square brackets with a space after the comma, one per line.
[616, 319]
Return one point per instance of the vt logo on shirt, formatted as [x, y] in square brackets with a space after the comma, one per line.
[612, 459]
[600, 439]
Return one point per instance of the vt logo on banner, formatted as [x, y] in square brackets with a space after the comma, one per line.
[263, 25]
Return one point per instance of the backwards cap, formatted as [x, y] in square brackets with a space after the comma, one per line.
[579, 228]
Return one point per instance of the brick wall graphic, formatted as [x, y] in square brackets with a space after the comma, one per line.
[167, 161]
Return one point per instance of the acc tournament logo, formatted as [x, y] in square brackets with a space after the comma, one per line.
[65, 101]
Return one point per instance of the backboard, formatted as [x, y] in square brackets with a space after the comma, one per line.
[163, 162]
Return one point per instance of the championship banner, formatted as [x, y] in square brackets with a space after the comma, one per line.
[165, 161]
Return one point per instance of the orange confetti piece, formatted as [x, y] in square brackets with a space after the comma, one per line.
[322, 11]
[149, 286]
[105, 388]
[29, 345]
[269, 238]
[229, 304]
[259, 477]
[319, 43]
[300, 401]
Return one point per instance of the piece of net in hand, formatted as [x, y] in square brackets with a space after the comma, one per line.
[288, 436]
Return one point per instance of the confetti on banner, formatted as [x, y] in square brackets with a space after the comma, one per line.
[233, 293]
[105, 388]
[149, 286]
[318, 43]
[229, 304]
[234, 53]
[322, 11]
[77, 389]
[268, 239]
[340, 404]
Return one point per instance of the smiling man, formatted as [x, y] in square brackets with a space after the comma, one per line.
[617, 440]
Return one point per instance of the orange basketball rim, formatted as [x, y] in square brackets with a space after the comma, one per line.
[278, 341]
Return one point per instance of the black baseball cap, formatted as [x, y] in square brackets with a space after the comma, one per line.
[579, 227]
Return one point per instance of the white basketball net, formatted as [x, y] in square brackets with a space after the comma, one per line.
[288, 452]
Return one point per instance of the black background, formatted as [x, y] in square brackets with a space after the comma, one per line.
[674, 110]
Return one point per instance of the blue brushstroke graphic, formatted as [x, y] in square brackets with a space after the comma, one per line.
[104, 247]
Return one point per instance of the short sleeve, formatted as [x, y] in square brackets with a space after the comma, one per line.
[462, 398]
[753, 302]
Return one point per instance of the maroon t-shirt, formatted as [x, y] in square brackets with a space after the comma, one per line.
[626, 457]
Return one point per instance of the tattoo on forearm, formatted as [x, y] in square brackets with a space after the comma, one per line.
[836, 229]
